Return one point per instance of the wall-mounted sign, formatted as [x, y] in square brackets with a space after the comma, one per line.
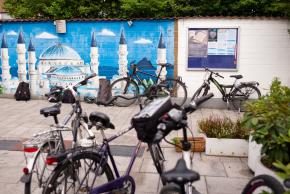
[212, 47]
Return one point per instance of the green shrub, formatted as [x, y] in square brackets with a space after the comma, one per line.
[217, 127]
[269, 117]
[1, 89]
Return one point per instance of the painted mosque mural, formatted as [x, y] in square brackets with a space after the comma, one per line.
[33, 52]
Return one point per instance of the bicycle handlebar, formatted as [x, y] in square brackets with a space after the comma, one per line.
[217, 74]
[84, 82]
[177, 118]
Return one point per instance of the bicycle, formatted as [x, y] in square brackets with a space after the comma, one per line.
[179, 179]
[88, 171]
[266, 184]
[42, 144]
[129, 87]
[238, 94]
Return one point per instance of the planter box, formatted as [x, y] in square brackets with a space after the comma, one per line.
[226, 147]
[254, 154]
[197, 144]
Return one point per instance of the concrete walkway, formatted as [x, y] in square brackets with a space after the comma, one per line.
[20, 120]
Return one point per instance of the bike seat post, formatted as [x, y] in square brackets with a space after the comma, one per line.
[55, 119]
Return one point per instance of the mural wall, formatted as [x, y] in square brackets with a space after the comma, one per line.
[34, 52]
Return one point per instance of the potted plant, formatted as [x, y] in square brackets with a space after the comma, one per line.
[224, 136]
[269, 117]
[197, 143]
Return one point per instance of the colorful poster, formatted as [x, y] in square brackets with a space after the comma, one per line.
[197, 43]
[212, 47]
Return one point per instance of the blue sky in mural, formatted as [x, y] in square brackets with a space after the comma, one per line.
[142, 39]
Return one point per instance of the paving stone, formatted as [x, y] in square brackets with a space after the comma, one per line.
[225, 185]
[123, 162]
[146, 182]
[209, 167]
[11, 188]
[237, 169]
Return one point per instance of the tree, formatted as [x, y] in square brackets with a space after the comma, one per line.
[64, 9]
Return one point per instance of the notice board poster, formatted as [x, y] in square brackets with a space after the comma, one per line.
[212, 47]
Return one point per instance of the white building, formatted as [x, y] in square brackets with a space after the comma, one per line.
[263, 51]
[21, 61]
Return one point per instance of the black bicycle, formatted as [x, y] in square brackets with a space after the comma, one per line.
[237, 94]
[129, 87]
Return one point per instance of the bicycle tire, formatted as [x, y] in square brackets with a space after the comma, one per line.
[263, 180]
[171, 188]
[157, 157]
[201, 91]
[176, 89]
[69, 170]
[40, 171]
[241, 94]
[117, 88]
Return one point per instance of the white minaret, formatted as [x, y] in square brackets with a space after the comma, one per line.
[94, 60]
[123, 52]
[94, 55]
[6, 76]
[21, 61]
[32, 71]
[161, 57]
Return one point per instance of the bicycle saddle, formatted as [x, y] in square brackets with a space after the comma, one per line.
[180, 174]
[237, 76]
[102, 118]
[51, 111]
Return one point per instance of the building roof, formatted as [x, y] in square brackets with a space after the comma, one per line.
[161, 18]
[161, 43]
[31, 46]
[59, 52]
[20, 38]
[122, 38]
[67, 70]
[4, 42]
[93, 41]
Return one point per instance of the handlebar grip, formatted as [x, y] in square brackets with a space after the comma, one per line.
[219, 75]
[91, 76]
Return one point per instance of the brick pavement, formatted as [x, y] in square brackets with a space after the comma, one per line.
[19, 120]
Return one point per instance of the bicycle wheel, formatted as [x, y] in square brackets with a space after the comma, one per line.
[157, 157]
[171, 188]
[243, 94]
[126, 88]
[78, 174]
[263, 184]
[175, 88]
[201, 91]
[40, 170]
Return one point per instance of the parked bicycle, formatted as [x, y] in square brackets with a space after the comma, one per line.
[179, 179]
[237, 94]
[88, 170]
[42, 144]
[129, 87]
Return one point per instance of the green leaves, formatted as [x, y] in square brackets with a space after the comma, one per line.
[65, 9]
[285, 169]
[1, 89]
[269, 117]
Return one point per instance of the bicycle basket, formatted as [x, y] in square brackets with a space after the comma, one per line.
[146, 121]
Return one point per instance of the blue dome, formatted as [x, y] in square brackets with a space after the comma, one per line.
[67, 70]
[60, 52]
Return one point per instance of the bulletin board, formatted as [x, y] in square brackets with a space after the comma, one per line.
[216, 48]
